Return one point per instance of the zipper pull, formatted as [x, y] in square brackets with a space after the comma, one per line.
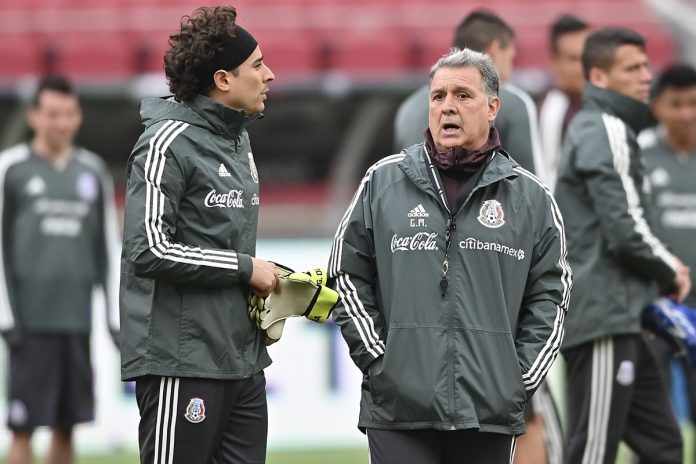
[443, 281]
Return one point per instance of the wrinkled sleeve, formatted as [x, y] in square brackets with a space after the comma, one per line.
[156, 185]
[541, 319]
[603, 160]
[352, 271]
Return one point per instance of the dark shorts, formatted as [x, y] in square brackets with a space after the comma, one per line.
[50, 382]
[191, 421]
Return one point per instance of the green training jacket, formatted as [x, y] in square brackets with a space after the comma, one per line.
[190, 231]
[673, 181]
[617, 261]
[59, 240]
[468, 357]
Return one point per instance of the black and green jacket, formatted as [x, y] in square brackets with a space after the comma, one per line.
[190, 232]
[59, 241]
[617, 261]
[469, 356]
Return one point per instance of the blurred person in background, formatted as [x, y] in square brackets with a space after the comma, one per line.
[563, 100]
[452, 309]
[615, 390]
[188, 264]
[671, 170]
[59, 241]
[516, 123]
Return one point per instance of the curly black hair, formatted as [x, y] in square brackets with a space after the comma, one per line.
[191, 51]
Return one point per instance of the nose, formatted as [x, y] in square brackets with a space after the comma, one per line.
[646, 74]
[448, 104]
[269, 75]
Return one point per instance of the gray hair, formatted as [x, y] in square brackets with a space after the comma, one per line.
[467, 58]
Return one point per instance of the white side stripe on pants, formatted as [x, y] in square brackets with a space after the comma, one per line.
[166, 420]
[600, 400]
[553, 437]
[513, 447]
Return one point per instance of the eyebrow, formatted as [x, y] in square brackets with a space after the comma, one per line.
[456, 87]
[259, 60]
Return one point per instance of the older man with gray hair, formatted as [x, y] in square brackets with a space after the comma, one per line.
[450, 261]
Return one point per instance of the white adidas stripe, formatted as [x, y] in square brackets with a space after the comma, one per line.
[154, 208]
[165, 433]
[539, 368]
[600, 400]
[537, 153]
[159, 419]
[337, 250]
[513, 448]
[8, 159]
[361, 319]
[553, 437]
[616, 130]
[112, 245]
[349, 294]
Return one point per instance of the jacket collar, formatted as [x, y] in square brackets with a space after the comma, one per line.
[227, 122]
[416, 166]
[634, 113]
[202, 111]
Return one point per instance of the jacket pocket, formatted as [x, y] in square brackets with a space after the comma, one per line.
[488, 378]
[206, 325]
[410, 385]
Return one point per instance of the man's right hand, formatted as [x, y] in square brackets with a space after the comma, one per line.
[264, 278]
[682, 283]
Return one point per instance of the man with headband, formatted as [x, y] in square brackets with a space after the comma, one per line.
[188, 262]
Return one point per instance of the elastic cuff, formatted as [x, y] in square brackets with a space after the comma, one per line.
[370, 363]
[246, 267]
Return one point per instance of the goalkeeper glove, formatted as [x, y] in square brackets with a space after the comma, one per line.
[302, 294]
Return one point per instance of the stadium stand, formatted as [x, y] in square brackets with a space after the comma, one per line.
[121, 37]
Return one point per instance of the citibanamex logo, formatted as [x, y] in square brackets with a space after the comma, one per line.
[419, 241]
[232, 199]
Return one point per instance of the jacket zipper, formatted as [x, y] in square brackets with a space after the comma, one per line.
[451, 227]
[444, 283]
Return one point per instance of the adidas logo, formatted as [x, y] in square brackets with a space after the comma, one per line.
[223, 172]
[418, 212]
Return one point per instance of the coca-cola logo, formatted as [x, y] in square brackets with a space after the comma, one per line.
[416, 242]
[231, 199]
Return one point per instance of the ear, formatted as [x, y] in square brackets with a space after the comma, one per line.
[599, 78]
[223, 80]
[493, 108]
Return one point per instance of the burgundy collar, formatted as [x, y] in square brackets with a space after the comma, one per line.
[459, 160]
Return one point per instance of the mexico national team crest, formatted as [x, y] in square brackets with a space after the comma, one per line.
[87, 186]
[626, 373]
[252, 168]
[491, 214]
[195, 411]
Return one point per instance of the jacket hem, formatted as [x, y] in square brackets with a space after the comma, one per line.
[444, 426]
[197, 373]
[581, 341]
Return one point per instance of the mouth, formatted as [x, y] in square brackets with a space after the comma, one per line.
[450, 128]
